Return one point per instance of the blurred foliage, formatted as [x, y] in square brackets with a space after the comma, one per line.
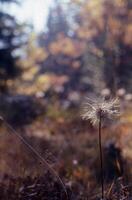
[87, 42]
[85, 48]
[106, 27]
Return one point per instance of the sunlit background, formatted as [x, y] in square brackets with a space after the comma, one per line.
[34, 12]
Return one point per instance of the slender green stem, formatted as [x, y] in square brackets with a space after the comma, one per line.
[101, 156]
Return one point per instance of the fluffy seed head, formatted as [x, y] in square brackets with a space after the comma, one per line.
[94, 109]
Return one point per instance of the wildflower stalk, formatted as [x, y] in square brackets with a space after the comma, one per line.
[98, 111]
[101, 155]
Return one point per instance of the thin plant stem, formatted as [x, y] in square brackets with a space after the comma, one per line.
[101, 155]
[37, 154]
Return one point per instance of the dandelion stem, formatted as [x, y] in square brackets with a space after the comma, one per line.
[101, 155]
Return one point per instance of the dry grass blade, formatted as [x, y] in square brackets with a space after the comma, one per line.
[110, 189]
[45, 163]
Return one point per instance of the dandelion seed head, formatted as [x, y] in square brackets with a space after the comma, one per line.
[94, 109]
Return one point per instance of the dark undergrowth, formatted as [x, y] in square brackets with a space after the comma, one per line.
[47, 188]
[70, 146]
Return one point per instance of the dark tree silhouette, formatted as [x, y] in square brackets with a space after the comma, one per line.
[57, 22]
[11, 39]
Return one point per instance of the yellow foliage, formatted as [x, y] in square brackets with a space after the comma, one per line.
[85, 33]
[128, 35]
[40, 54]
[54, 48]
[127, 116]
[77, 1]
[27, 76]
[25, 64]
[42, 79]
[120, 3]
[67, 46]
[115, 26]
[34, 69]
[95, 7]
